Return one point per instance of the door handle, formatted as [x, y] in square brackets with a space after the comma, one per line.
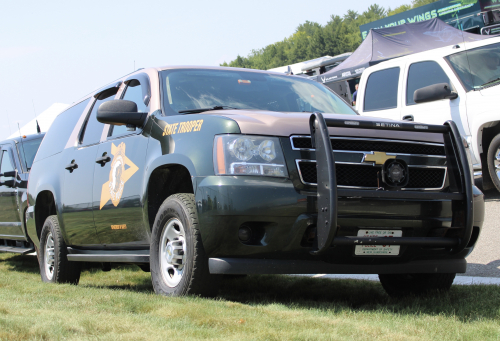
[408, 118]
[72, 166]
[103, 160]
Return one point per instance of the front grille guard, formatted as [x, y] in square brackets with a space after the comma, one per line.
[327, 192]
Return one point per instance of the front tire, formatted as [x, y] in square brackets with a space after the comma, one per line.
[493, 160]
[179, 266]
[400, 285]
[52, 255]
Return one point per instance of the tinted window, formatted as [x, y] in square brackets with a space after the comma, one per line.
[59, 132]
[7, 164]
[133, 93]
[479, 67]
[193, 89]
[92, 128]
[382, 90]
[27, 151]
[421, 75]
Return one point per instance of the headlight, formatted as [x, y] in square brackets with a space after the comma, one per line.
[248, 155]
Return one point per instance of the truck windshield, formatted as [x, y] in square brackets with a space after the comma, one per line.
[27, 151]
[477, 68]
[187, 90]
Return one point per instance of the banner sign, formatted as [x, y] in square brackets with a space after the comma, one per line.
[446, 10]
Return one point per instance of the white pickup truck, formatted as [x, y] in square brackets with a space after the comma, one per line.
[459, 82]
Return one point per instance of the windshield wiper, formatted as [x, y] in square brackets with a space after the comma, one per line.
[490, 82]
[217, 107]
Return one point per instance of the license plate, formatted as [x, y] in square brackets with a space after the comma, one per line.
[378, 250]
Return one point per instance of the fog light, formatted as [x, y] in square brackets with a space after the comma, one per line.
[245, 234]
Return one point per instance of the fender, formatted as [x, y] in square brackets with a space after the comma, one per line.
[481, 121]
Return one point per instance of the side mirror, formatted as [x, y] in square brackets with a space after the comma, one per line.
[434, 92]
[8, 183]
[11, 174]
[121, 112]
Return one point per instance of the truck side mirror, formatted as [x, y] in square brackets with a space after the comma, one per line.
[434, 92]
[8, 183]
[121, 112]
[11, 174]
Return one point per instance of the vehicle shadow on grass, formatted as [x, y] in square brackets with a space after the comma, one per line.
[20, 263]
[466, 303]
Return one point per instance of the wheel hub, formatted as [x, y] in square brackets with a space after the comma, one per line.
[172, 252]
[497, 163]
[49, 257]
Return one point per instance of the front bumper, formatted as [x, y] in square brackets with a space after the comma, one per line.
[225, 203]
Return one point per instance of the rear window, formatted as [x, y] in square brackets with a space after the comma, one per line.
[382, 90]
[27, 151]
[59, 132]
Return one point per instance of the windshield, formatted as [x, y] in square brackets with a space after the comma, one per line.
[477, 68]
[186, 90]
[27, 151]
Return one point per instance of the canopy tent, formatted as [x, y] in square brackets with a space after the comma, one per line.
[387, 43]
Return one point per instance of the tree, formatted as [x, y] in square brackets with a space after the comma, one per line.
[312, 40]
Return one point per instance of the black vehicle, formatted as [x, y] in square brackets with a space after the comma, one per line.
[193, 172]
[16, 157]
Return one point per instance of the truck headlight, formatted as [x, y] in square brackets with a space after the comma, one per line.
[248, 155]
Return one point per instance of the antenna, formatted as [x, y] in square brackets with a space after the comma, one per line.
[134, 65]
[38, 130]
[22, 144]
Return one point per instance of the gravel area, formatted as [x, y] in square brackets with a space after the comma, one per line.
[484, 261]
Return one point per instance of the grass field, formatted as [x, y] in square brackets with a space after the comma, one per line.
[121, 305]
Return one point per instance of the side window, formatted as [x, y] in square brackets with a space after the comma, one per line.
[382, 90]
[92, 128]
[6, 165]
[134, 93]
[59, 132]
[423, 74]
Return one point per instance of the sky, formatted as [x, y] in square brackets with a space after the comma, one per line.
[59, 51]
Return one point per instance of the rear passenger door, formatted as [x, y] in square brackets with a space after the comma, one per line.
[421, 74]
[119, 183]
[77, 190]
[381, 96]
[10, 223]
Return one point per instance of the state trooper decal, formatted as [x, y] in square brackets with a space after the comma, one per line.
[118, 176]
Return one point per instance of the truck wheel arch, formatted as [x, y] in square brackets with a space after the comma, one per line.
[45, 205]
[163, 182]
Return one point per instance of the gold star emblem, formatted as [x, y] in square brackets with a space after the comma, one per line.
[378, 157]
[118, 176]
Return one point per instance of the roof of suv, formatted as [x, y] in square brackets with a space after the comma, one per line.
[26, 138]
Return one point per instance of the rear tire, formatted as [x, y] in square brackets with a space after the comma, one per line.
[400, 285]
[493, 160]
[52, 255]
[179, 266]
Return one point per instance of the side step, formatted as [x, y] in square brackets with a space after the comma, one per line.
[15, 249]
[111, 256]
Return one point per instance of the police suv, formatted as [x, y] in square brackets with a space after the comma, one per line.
[16, 158]
[195, 172]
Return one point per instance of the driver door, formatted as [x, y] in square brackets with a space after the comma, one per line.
[10, 222]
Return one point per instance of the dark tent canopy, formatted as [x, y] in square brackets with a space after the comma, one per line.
[387, 43]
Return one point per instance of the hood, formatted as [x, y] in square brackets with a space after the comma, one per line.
[257, 122]
[491, 91]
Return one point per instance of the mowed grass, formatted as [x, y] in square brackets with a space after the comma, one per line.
[121, 305]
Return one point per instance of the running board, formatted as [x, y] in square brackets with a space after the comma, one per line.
[111, 256]
[15, 249]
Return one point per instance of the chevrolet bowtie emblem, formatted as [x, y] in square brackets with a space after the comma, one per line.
[378, 157]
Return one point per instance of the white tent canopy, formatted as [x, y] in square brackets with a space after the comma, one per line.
[45, 119]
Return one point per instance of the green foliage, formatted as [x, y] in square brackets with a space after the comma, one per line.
[312, 40]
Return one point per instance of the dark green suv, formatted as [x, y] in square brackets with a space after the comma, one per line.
[194, 172]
